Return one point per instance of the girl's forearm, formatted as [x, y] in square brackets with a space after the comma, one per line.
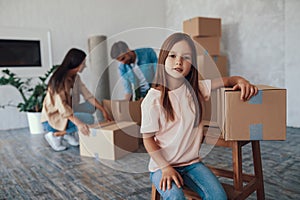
[155, 152]
[226, 81]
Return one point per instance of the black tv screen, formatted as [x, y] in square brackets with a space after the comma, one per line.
[20, 53]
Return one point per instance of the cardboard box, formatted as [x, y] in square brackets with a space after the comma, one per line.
[210, 108]
[203, 26]
[210, 44]
[209, 68]
[221, 63]
[212, 66]
[263, 117]
[111, 141]
[123, 110]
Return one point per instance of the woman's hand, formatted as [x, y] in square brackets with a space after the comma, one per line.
[106, 116]
[169, 174]
[83, 128]
[247, 89]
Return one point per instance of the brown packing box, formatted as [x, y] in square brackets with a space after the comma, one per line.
[123, 110]
[111, 141]
[210, 44]
[263, 117]
[209, 68]
[210, 108]
[212, 66]
[202, 26]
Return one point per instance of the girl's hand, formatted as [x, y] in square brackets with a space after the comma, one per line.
[169, 174]
[83, 128]
[247, 89]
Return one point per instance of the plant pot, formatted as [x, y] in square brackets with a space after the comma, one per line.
[34, 122]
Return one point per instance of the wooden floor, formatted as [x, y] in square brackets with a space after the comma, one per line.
[29, 169]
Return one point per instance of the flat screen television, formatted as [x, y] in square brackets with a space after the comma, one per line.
[20, 53]
[26, 52]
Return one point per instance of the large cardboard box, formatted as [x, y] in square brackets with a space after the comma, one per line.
[203, 26]
[123, 110]
[110, 141]
[210, 44]
[263, 117]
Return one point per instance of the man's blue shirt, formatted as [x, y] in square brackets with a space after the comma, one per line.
[146, 61]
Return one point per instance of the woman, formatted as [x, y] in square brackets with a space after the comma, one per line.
[63, 94]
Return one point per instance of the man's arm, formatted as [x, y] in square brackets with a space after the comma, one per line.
[126, 82]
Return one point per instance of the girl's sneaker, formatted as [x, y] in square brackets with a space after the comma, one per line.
[54, 142]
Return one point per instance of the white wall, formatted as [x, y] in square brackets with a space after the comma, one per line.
[260, 38]
[292, 60]
[71, 22]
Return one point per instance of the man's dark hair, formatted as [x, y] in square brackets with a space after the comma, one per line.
[118, 48]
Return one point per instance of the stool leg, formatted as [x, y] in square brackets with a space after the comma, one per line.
[237, 165]
[154, 194]
[258, 170]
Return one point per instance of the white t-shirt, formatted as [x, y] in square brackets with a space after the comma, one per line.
[179, 140]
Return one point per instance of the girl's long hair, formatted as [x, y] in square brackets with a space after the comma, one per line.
[73, 59]
[192, 80]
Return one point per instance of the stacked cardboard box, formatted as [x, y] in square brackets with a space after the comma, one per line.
[261, 118]
[207, 32]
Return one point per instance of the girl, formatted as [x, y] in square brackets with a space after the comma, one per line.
[63, 95]
[171, 121]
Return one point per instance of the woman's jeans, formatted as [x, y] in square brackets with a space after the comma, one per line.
[196, 177]
[85, 117]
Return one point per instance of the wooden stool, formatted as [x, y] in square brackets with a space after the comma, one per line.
[236, 191]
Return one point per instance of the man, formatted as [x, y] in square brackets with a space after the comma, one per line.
[137, 68]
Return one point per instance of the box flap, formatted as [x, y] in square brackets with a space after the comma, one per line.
[112, 125]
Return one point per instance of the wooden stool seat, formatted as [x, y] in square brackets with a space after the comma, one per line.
[239, 190]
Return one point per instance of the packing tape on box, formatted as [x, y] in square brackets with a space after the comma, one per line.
[256, 131]
[257, 99]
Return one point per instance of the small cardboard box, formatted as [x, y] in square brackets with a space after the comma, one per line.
[123, 110]
[203, 26]
[263, 117]
[210, 44]
[110, 141]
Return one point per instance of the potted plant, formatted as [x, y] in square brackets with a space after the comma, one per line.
[32, 92]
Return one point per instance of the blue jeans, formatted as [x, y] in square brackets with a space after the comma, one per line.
[84, 115]
[196, 177]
